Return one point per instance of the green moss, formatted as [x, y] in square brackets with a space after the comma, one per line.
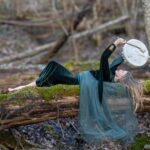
[140, 141]
[45, 93]
[50, 93]
[69, 65]
[21, 95]
[3, 97]
[20, 101]
[147, 86]
[81, 66]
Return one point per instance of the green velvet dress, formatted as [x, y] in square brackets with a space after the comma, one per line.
[54, 73]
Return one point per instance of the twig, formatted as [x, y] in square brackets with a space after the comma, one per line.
[58, 119]
[59, 21]
[74, 127]
[62, 131]
[28, 53]
[41, 23]
[17, 137]
[101, 28]
[2, 147]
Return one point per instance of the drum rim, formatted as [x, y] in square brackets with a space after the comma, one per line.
[128, 60]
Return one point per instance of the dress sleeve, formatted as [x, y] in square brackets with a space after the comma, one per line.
[104, 72]
[104, 64]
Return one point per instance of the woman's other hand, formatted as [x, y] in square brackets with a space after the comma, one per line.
[120, 41]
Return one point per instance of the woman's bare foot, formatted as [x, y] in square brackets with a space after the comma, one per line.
[15, 89]
[21, 87]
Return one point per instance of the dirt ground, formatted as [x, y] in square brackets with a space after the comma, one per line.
[13, 78]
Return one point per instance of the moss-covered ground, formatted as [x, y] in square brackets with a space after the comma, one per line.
[140, 141]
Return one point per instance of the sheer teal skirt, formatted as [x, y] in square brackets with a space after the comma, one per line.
[114, 118]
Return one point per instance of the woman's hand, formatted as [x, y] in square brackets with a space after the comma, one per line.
[120, 41]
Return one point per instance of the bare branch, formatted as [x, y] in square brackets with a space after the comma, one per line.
[29, 53]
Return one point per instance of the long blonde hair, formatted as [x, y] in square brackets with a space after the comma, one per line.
[136, 89]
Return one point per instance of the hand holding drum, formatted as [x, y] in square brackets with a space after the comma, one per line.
[134, 52]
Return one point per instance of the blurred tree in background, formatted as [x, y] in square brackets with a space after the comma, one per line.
[26, 25]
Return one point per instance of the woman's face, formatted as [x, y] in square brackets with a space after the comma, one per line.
[119, 74]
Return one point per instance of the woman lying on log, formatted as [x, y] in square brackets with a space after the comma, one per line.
[106, 97]
[54, 73]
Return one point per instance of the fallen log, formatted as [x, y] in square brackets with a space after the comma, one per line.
[31, 105]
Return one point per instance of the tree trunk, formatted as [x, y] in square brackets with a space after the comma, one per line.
[146, 7]
[73, 26]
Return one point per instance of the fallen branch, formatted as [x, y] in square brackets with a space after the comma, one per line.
[27, 53]
[101, 28]
[68, 107]
[46, 23]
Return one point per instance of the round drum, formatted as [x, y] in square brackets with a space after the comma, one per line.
[135, 53]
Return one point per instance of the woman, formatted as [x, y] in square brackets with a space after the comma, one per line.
[106, 112]
[54, 73]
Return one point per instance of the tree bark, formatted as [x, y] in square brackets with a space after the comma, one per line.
[146, 7]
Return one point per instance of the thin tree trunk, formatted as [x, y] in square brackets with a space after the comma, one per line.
[146, 7]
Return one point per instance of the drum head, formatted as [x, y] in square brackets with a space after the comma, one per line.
[135, 53]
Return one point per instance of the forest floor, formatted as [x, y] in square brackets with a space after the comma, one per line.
[63, 134]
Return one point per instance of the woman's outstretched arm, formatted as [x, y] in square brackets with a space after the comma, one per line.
[23, 86]
[104, 71]
[104, 65]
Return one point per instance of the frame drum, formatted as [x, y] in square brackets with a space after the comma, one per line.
[135, 53]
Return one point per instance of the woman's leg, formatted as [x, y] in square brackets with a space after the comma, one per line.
[52, 74]
[55, 73]
[21, 87]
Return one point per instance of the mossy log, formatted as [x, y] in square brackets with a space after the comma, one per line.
[31, 105]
